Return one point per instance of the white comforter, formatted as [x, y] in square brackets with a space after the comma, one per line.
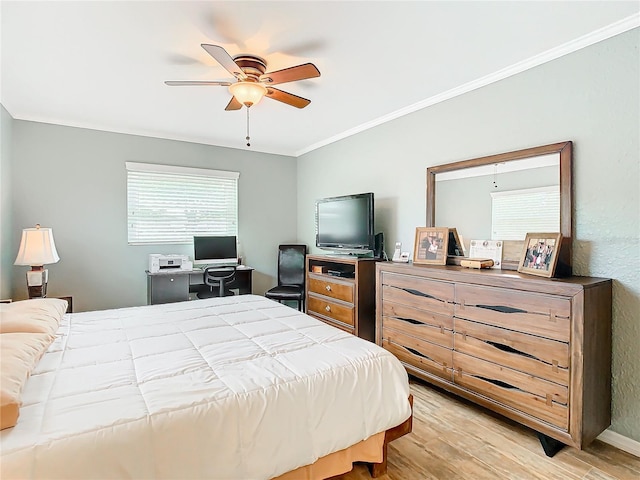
[233, 388]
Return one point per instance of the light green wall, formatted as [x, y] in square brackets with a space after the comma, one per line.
[6, 237]
[74, 181]
[590, 97]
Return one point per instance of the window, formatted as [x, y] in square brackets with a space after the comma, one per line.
[168, 204]
[512, 215]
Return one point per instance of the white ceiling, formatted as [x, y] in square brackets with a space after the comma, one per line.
[102, 65]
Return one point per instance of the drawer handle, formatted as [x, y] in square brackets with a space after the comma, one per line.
[419, 354]
[327, 308]
[328, 288]
[409, 320]
[418, 293]
[498, 383]
[502, 309]
[508, 349]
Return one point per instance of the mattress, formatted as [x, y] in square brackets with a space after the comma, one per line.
[228, 388]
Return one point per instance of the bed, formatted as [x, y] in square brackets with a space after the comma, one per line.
[235, 388]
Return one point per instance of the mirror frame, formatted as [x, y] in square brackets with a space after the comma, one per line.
[564, 149]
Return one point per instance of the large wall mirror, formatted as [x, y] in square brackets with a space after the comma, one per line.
[504, 196]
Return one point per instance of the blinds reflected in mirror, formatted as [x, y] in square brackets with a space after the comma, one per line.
[516, 212]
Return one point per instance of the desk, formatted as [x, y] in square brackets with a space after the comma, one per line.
[175, 285]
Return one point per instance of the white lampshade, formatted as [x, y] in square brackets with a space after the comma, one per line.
[37, 247]
[248, 93]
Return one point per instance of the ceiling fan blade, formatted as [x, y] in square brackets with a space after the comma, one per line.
[288, 98]
[224, 59]
[180, 83]
[233, 104]
[291, 74]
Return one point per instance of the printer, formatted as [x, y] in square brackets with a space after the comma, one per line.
[168, 263]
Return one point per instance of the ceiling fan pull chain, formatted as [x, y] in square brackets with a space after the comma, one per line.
[248, 138]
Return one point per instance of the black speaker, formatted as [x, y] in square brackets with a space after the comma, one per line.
[378, 249]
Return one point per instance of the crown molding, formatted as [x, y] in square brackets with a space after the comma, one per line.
[579, 43]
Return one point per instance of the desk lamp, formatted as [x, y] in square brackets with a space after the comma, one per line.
[36, 250]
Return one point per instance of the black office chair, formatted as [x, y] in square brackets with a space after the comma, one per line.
[219, 280]
[291, 275]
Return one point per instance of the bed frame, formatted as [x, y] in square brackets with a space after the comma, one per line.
[378, 469]
[341, 462]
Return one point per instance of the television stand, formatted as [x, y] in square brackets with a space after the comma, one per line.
[368, 254]
[338, 273]
[340, 291]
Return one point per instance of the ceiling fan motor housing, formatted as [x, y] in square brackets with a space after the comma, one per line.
[252, 65]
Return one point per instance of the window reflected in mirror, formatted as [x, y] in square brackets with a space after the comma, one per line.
[502, 201]
[504, 197]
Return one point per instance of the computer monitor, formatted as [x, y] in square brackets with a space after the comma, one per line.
[215, 250]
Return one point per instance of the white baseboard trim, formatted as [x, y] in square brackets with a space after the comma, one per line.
[620, 441]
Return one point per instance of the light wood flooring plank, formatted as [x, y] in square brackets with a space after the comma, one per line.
[454, 439]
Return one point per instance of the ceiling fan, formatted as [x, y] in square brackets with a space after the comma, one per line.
[251, 82]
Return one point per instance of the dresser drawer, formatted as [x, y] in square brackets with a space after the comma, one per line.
[326, 308]
[534, 313]
[537, 356]
[418, 323]
[416, 316]
[333, 323]
[424, 356]
[334, 289]
[418, 292]
[533, 396]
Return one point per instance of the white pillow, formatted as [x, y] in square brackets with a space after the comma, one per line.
[19, 354]
[38, 315]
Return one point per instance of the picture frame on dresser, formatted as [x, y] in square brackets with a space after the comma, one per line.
[431, 245]
[540, 254]
[455, 247]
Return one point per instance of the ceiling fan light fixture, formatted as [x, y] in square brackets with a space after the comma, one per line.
[248, 93]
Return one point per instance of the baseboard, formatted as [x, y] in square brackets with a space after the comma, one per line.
[620, 441]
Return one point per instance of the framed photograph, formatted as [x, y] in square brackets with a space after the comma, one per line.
[455, 248]
[431, 245]
[540, 254]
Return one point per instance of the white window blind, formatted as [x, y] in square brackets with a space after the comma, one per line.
[168, 204]
[516, 212]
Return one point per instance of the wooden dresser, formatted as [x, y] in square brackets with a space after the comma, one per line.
[341, 292]
[536, 350]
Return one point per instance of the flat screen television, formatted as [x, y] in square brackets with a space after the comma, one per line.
[215, 250]
[345, 223]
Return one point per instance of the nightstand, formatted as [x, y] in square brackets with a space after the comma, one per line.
[69, 300]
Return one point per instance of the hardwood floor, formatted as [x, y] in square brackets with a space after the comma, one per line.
[455, 439]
